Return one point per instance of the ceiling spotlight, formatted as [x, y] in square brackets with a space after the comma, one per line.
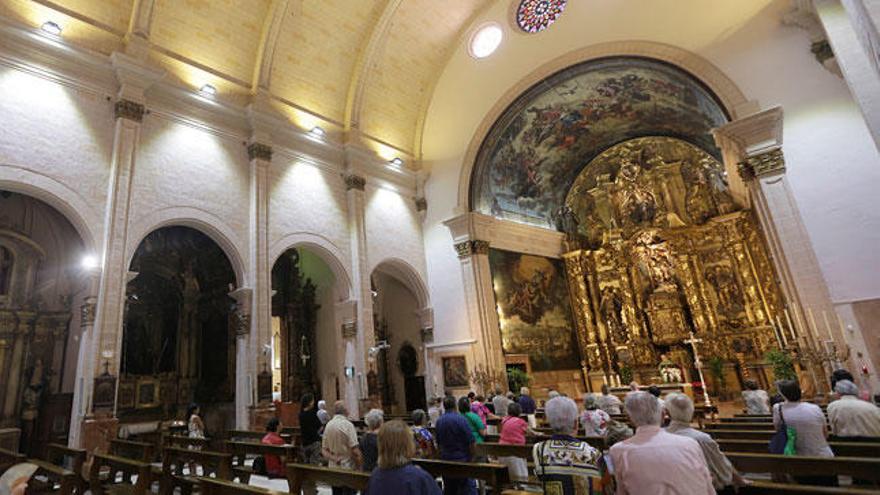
[208, 90]
[486, 40]
[317, 132]
[89, 261]
[397, 162]
[51, 28]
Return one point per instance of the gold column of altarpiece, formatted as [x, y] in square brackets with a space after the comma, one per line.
[656, 249]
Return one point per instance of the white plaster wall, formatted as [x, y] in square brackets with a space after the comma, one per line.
[185, 172]
[304, 197]
[393, 229]
[57, 141]
[830, 156]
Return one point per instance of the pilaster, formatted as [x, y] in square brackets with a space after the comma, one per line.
[756, 143]
[134, 78]
[353, 384]
[87, 315]
[245, 374]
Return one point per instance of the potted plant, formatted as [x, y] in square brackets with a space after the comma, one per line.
[516, 379]
[781, 363]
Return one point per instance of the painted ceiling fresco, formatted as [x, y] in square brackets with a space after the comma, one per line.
[533, 153]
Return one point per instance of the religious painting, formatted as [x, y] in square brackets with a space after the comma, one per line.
[126, 394]
[535, 150]
[105, 392]
[455, 374]
[533, 309]
[147, 393]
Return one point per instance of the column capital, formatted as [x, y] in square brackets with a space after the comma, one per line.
[134, 76]
[466, 249]
[427, 335]
[353, 181]
[770, 162]
[259, 151]
[752, 135]
[130, 110]
[87, 311]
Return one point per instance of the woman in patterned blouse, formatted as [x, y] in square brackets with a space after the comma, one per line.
[564, 464]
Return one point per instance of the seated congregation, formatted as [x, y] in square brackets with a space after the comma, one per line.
[468, 445]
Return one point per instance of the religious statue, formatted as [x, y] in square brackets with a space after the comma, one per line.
[638, 202]
[611, 310]
[655, 260]
[669, 371]
[698, 201]
[566, 222]
[726, 288]
[33, 392]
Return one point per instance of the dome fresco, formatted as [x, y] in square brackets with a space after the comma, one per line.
[533, 152]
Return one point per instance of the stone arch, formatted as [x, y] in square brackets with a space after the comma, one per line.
[406, 274]
[203, 221]
[730, 96]
[67, 201]
[325, 249]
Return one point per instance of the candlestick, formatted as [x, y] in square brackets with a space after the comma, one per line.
[605, 379]
[827, 325]
[781, 332]
[842, 326]
[797, 319]
[776, 334]
[813, 328]
[788, 321]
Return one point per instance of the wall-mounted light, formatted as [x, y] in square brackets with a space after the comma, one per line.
[208, 90]
[52, 28]
[317, 132]
[396, 161]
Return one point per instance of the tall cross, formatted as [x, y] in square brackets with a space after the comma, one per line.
[693, 341]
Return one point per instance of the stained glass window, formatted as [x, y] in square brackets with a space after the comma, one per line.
[533, 16]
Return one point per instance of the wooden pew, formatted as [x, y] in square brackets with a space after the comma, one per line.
[69, 458]
[298, 474]
[597, 442]
[503, 450]
[495, 475]
[769, 488]
[9, 458]
[763, 435]
[130, 449]
[114, 484]
[738, 426]
[255, 436]
[241, 450]
[174, 459]
[213, 486]
[186, 442]
[844, 449]
[59, 480]
[857, 467]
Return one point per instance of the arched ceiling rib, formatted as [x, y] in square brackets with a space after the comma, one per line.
[368, 65]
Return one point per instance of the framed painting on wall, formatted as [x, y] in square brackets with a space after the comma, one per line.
[455, 372]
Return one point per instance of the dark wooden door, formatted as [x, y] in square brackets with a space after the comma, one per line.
[415, 393]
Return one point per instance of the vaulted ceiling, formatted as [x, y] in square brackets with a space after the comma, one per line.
[363, 65]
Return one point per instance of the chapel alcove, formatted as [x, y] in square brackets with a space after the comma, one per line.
[178, 344]
[42, 286]
[397, 360]
[307, 342]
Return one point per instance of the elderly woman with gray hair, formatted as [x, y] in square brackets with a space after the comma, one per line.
[594, 420]
[564, 464]
[369, 442]
[850, 416]
[656, 461]
[681, 411]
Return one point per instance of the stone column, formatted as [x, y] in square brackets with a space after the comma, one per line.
[134, 78]
[480, 300]
[353, 388]
[81, 404]
[245, 378]
[23, 326]
[757, 142]
[355, 185]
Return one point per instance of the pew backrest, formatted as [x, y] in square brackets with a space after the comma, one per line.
[299, 474]
[857, 467]
[760, 487]
[495, 475]
[9, 458]
[131, 470]
[59, 480]
[844, 449]
[213, 486]
[138, 451]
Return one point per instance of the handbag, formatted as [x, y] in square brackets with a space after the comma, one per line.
[783, 441]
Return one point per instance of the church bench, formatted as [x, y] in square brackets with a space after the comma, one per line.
[597, 442]
[255, 436]
[299, 474]
[857, 467]
[495, 475]
[139, 451]
[185, 441]
[747, 419]
[113, 484]
[9, 458]
[844, 449]
[737, 426]
[834, 438]
[68, 458]
[213, 486]
[174, 459]
[241, 450]
[760, 487]
[49, 478]
[763, 435]
[504, 450]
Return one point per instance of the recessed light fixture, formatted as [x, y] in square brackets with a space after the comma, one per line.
[396, 161]
[89, 261]
[51, 28]
[317, 132]
[208, 89]
[486, 40]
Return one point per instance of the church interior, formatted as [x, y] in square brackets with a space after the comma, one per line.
[235, 205]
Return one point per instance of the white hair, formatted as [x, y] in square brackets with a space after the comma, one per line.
[322, 404]
[643, 409]
[846, 387]
[553, 394]
[374, 418]
[562, 414]
[524, 391]
[680, 407]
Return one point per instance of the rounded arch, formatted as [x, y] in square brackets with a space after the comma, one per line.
[64, 199]
[325, 249]
[203, 221]
[728, 93]
[404, 273]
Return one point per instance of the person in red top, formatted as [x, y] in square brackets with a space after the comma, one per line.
[513, 432]
[274, 466]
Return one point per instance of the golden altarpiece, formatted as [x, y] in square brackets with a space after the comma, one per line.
[658, 249]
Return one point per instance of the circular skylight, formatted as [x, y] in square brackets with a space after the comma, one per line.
[486, 39]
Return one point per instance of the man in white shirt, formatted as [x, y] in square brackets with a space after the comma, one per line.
[851, 416]
[655, 461]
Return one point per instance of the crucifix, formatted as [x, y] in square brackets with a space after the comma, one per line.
[693, 341]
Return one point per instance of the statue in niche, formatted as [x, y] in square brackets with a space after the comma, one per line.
[189, 317]
[669, 371]
[33, 392]
[5, 270]
[611, 310]
[638, 202]
[726, 289]
[698, 200]
[655, 261]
